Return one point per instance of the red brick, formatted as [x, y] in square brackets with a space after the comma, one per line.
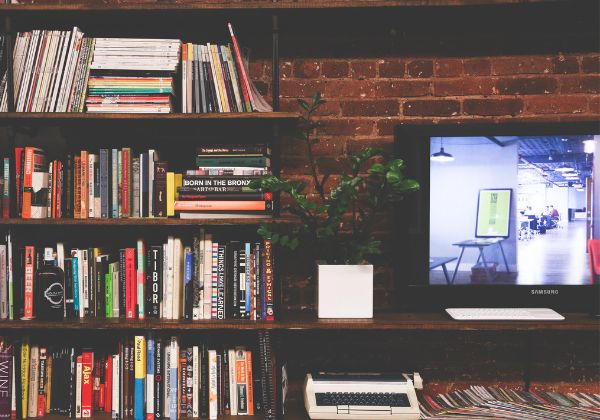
[391, 68]
[466, 86]
[401, 88]
[440, 108]
[556, 104]
[307, 69]
[363, 69]
[335, 69]
[565, 64]
[595, 105]
[526, 85]
[521, 65]
[372, 108]
[449, 67]
[348, 127]
[581, 84]
[420, 68]
[285, 69]
[384, 143]
[591, 64]
[299, 88]
[348, 89]
[477, 67]
[386, 126]
[493, 107]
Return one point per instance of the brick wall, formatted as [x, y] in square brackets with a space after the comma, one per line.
[369, 91]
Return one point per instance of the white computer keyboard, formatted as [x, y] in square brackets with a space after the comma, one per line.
[504, 314]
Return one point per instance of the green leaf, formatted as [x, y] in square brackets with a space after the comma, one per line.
[303, 104]
[377, 168]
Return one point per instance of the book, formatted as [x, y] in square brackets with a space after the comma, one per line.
[140, 376]
[87, 363]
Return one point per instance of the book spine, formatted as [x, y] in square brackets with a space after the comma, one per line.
[204, 380]
[78, 386]
[122, 286]
[126, 186]
[153, 281]
[116, 391]
[6, 190]
[29, 282]
[189, 382]
[6, 381]
[141, 279]
[249, 383]
[108, 384]
[25, 363]
[214, 280]
[150, 358]
[182, 380]
[232, 383]
[195, 382]
[173, 380]
[104, 180]
[221, 279]
[87, 363]
[114, 185]
[108, 290]
[140, 376]
[160, 189]
[213, 405]
[188, 277]
[241, 382]
[158, 379]
[135, 187]
[3, 283]
[247, 288]
[84, 183]
[91, 184]
[27, 182]
[234, 205]
[130, 291]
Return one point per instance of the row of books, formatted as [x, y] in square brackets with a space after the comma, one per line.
[139, 377]
[133, 75]
[210, 278]
[50, 70]
[63, 71]
[118, 183]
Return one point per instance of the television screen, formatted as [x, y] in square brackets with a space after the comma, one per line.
[513, 210]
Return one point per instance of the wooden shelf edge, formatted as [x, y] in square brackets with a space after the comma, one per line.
[257, 6]
[308, 322]
[142, 222]
[84, 116]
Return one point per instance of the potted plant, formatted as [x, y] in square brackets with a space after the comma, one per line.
[337, 219]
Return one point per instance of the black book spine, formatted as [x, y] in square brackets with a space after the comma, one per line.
[19, 278]
[241, 279]
[159, 380]
[68, 188]
[204, 381]
[226, 401]
[221, 311]
[122, 284]
[68, 288]
[189, 373]
[189, 273]
[101, 271]
[227, 81]
[219, 385]
[213, 87]
[258, 289]
[104, 183]
[72, 382]
[200, 83]
[153, 281]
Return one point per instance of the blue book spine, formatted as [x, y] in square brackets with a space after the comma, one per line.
[188, 269]
[104, 183]
[150, 375]
[173, 385]
[263, 286]
[115, 184]
[248, 289]
[75, 278]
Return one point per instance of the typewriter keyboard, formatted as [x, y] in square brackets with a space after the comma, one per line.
[381, 399]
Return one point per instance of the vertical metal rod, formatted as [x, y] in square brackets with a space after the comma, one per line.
[275, 64]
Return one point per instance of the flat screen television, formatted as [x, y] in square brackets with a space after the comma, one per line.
[502, 218]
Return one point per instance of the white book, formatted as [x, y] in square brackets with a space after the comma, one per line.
[177, 279]
[19, 58]
[49, 70]
[73, 57]
[165, 273]
[91, 159]
[13, 395]
[152, 159]
[196, 382]
[27, 67]
[207, 291]
[170, 279]
[167, 381]
[155, 66]
[212, 385]
[10, 277]
[60, 37]
[66, 41]
[184, 76]
[35, 71]
[140, 183]
[116, 372]
[60, 255]
[34, 364]
[43, 71]
[78, 374]
[84, 275]
[233, 405]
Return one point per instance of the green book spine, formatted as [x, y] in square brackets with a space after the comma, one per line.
[241, 161]
[108, 292]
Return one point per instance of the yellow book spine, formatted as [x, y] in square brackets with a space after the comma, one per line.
[140, 357]
[219, 74]
[48, 384]
[170, 194]
[24, 374]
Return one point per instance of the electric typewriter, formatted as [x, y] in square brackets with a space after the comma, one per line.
[361, 396]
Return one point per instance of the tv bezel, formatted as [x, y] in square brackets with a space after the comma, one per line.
[510, 225]
[411, 228]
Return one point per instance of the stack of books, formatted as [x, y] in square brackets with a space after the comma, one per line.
[133, 75]
[208, 278]
[219, 186]
[137, 377]
[479, 402]
[51, 69]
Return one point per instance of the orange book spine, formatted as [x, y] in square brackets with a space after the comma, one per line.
[29, 282]
[77, 187]
[250, 388]
[27, 182]
[223, 205]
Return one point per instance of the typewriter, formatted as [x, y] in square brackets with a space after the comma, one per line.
[360, 396]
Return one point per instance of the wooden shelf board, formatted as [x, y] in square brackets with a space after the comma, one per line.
[89, 6]
[308, 322]
[84, 116]
[140, 222]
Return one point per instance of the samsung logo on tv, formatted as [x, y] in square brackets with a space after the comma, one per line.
[544, 292]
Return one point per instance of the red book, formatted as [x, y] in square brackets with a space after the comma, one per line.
[43, 379]
[202, 205]
[246, 90]
[86, 383]
[250, 387]
[130, 283]
[28, 282]
[108, 384]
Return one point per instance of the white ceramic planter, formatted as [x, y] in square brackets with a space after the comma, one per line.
[344, 291]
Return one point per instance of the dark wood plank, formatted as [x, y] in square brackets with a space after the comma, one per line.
[307, 321]
[83, 116]
[140, 222]
[83, 6]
